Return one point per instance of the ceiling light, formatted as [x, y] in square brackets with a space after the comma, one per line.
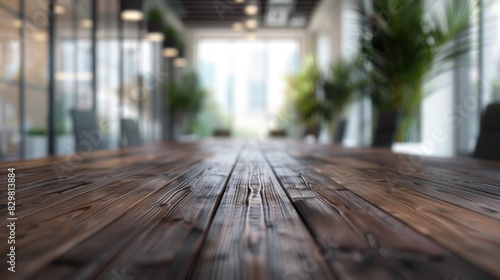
[59, 9]
[170, 52]
[180, 62]
[237, 26]
[131, 15]
[155, 36]
[251, 9]
[251, 23]
[239, 1]
[86, 23]
[131, 10]
[17, 23]
[251, 36]
[40, 36]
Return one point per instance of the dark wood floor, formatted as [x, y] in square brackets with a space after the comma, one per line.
[234, 210]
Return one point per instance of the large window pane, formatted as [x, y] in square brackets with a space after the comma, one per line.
[36, 86]
[247, 80]
[9, 87]
[108, 70]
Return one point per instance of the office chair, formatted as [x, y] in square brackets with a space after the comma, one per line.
[86, 130]
[130, 133]
[488, 142]
[222, 133]
[340, 133]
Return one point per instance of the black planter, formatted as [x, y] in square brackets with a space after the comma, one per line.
[169, 42]
[340, 133]
[130, 5]
[386, 129]
[181, 53]
[154, 26]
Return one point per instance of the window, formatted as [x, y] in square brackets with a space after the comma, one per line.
[246, 79]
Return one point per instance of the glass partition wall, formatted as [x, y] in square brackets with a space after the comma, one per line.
[87, 74]
[9, 81]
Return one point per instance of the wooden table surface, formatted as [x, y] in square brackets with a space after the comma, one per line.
[244, 210]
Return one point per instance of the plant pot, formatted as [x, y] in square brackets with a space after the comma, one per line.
[36, 146]
[386, 128]
[154, 26]
[65, 144]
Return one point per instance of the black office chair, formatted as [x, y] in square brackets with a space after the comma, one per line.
[385, 132]
[488, 142]
[88, 136]
[221, 132]
[1, 149]
[340, 134]
[277, 133]
[131, 135]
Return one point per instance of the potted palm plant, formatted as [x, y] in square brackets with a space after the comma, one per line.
[184, 100]
[302, 90]
[407, 46]
[347, 80]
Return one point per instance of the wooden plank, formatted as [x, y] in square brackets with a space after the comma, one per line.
[158, 238]
[472, 236]
[46, 234]
[363, 241]
[256, 232]
[477, 195]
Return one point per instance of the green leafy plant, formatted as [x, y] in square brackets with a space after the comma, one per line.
[185, 99]
[302, 92]
[170, 32]
[408, 46]
[155, 14]
[36, 131]
[347, 80]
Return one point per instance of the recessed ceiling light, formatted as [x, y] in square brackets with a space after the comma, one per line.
[131, 15]
[251, 23]
[251, 9]
[17, 23]
[39, 36]
[170, 52]
[251, 36]
[180, 62]
[59, 9]
[155, 36]
[86, 23]
[237, 26]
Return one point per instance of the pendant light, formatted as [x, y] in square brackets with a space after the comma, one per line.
[180, 61]
[169, 43]
[252, 8]
[251, 22]
[131, 10]
[154, 25]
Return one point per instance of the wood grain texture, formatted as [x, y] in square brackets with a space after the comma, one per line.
[225, 209]
[366, 242]
[256, 233]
